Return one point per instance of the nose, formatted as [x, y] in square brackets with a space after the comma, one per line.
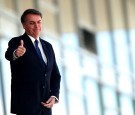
[36, 25]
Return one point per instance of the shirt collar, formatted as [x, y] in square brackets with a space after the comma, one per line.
[33, 39]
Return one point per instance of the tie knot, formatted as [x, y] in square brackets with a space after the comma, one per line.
[36, 43]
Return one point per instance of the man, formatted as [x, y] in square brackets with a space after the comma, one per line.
[35, 82]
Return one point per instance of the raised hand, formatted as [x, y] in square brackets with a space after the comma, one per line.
[20, 51]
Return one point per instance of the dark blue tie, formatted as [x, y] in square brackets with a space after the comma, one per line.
[39, 53]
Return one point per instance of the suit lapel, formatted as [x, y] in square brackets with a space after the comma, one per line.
[29, 44]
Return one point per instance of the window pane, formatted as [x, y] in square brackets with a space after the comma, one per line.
[109, 101]
[125, 83]
[111, 112]
[61, 107]
[122, 55]
[126, 106]
[74, 80]
[132, 39]
[70, 40]
[1, 100]
[6, 75]
[104, 45]
[108, 75]
[109, 98]
[90, 66]
[76, 106]
[92, 98]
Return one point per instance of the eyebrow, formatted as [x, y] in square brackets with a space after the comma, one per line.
[34, 21]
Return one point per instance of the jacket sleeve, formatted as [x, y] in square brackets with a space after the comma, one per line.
[12, 46]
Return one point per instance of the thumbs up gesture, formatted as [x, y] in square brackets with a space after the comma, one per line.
[20, 51]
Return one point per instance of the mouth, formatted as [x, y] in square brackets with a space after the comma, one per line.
[36, 30]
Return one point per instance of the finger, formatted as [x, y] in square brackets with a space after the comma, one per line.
[43, 103]
[21, 48]
[21, 43]
[46, 105]
[20, 51]
[49, 100]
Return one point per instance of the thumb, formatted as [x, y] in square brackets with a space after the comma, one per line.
[21, 43]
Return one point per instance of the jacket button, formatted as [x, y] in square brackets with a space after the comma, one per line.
[45, 74]
[43, 87]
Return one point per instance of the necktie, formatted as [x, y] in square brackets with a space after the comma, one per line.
[39, 54]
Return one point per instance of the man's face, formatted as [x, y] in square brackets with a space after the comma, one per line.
[33, 25]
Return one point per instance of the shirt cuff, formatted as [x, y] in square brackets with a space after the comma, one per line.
[14, 56]
[56, 99]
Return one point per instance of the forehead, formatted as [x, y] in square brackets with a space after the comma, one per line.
[33, 17]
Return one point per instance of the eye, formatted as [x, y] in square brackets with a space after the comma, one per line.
[31, 23]
[39, 22]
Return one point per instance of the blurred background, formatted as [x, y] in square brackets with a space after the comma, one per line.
[94, 42]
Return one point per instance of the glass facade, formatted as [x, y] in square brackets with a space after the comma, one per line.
[98, 81]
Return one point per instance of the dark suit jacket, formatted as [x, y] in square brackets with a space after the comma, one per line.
[31, 83]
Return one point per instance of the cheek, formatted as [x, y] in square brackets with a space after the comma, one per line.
[41, 25]
[29, 29]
